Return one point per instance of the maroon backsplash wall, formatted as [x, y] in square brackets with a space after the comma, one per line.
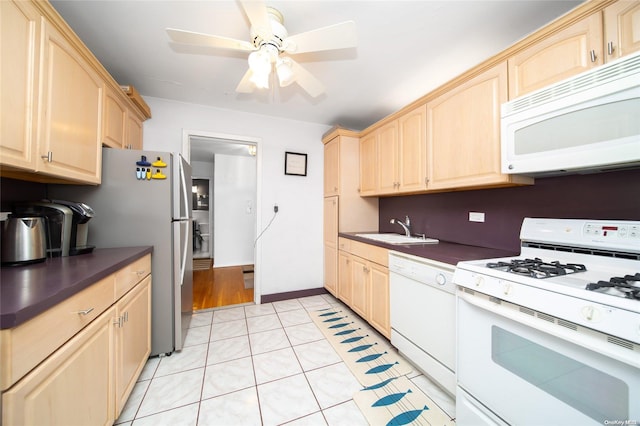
[610, 195]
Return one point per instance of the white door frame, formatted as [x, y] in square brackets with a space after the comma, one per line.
[237, 139]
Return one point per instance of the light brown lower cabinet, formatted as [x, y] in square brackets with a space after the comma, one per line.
[88, 379]
[73, 386]
[133, 339]
[363, 283]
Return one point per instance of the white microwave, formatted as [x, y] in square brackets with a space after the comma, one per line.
[588, 122]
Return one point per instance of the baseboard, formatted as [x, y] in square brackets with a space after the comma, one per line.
[277, 297]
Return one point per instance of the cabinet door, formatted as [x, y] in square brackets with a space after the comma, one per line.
[71, 112]
[379, 316]
[133, 139]
[412, 154]
[360, 281]
[114, 120]
[463, 132]
[331, 243]
[332, 167]
[561, 55]
[133, 339]
[74, 386]
[19, 60]
[369, 164]
[345, 279]
[622, 29]
[331, 268]
[388, 181]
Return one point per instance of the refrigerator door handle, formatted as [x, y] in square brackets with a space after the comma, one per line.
[185, 192]
[184, 251]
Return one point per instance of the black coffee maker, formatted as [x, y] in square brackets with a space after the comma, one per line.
[82, 214]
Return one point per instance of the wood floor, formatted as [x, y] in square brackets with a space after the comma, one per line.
[216, 287]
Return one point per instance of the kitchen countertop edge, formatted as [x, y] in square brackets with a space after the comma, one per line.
[30, 290]
[444, 251]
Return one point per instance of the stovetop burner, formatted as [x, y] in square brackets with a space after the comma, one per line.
[537, 268]
[627, 286]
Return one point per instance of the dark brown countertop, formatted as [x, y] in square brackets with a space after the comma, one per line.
[26, 291]
[443, 251]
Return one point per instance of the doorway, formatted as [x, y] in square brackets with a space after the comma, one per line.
[225, 217]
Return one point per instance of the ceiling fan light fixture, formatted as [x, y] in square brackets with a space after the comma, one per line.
[285, 72]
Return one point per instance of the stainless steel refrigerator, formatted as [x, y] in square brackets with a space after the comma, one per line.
[133, 208]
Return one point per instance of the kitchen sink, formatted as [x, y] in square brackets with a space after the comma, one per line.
[398, 239]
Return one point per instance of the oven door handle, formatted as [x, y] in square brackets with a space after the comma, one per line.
[586, 340]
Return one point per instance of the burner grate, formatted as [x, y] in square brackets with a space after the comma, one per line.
[627, 286]
[537, 268]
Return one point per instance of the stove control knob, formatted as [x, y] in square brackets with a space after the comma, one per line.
[441, 279]
[590, 313]
[479, 280]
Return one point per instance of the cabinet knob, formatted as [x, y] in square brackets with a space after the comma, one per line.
[48, 158]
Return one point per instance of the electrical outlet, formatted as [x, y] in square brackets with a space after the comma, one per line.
[275, 208]
[476, 217]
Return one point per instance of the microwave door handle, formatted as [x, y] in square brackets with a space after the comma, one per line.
[586, 341]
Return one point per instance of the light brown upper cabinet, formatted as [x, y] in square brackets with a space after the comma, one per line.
[133, 138]
[369, 164]
[121, 126]
[70, 131]
[463, 134]
[20, 52]
[55, 132]
[568, 52]
[114, 119]
[412, 152]
[621, 29]
[393, 157]
[387, 153]
[332, 167]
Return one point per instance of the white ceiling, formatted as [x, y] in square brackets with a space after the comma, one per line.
[405, 49]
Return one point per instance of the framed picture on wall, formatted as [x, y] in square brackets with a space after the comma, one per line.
[295, 164]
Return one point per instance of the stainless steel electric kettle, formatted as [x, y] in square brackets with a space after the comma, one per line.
[23, 240]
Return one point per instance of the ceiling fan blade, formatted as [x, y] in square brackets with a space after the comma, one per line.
[200, 39]
[337, 36]
[246, 85]
[306, 80]
[257, 13]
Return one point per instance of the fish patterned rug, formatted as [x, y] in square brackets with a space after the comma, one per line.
[388, 397]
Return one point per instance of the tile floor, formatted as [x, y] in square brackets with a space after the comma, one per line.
[250, 365]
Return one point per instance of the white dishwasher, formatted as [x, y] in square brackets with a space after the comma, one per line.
[423, 315]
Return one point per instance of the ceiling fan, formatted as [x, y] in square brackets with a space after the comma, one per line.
[271, 47]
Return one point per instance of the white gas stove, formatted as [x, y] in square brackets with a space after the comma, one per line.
[557, 326]
[583, 271]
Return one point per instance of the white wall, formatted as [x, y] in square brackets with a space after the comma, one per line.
[289, 254]
[234, 198]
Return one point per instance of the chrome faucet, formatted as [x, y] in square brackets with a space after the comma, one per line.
[406, 225]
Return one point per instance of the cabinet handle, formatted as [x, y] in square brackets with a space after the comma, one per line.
[365, 269]
[140, 273]
[48, 158]
[593, 55]
[610, 48]
[84, 311]
[118, 322]
[126, 317]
